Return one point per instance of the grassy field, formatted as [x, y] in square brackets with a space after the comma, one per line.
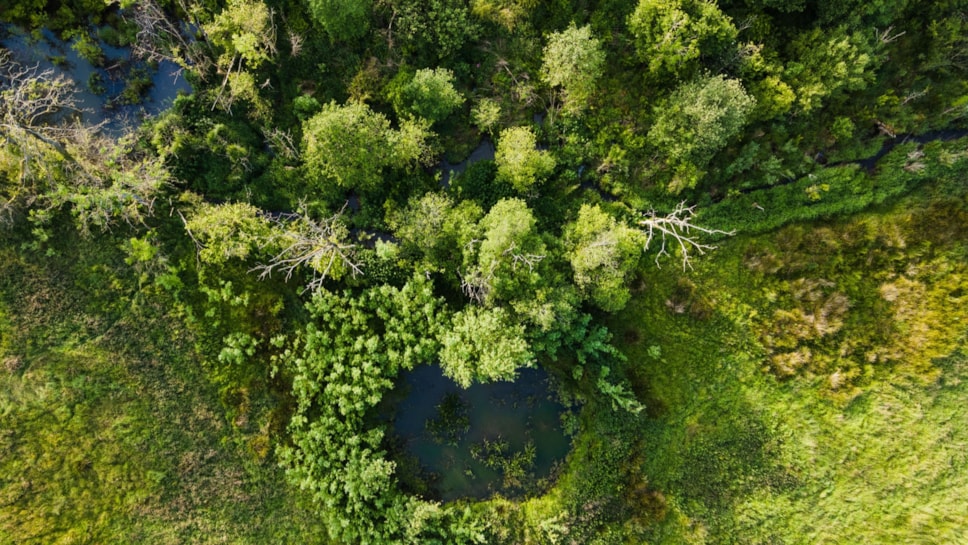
[109, 429]
[809, 386]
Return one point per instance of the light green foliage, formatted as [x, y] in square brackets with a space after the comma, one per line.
[486, 114]
[828, 64]
[507, 13]
[603, 254]
[482, 345]
[698, 120]
[519, 163]
[573, 60]
[351, 145]
[430, 94]
[341, 19]
[244, 30]
[619, 394]
[436, 228]
[228, 231]
[672, 35]
[504, 264]
[341, 365]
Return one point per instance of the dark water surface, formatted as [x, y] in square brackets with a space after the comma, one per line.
[167, 80]
[516, 413]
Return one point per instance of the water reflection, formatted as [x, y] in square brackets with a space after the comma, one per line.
[106, 104]
[503, 437]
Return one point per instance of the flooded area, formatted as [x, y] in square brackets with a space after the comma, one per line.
[120, 92]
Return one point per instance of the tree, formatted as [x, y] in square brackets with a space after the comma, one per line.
[246, 33]
[431, 30]
[672, 35]
[60, 161]
[827, 63]
[676, 230]
[482, 345]
[504, 263]
[341, 19]
[351, 145]
[434, 227]
[322, 246]
[430, 94]
[227, 231]
[519, 162]
[603, 254]
[574, 61]
[697, 121]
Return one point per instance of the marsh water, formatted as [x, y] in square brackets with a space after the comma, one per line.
[46, 50]
[507, 437]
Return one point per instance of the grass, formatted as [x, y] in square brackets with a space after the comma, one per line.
[745, 454]
[111, 431]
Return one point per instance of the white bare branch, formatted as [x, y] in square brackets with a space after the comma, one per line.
[677, 229]
[308, 243]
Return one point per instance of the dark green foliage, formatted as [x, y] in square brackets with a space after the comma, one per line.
[451, 422]
[341, 19]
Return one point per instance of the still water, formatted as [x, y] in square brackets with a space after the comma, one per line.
[502, 420]
[48, 51]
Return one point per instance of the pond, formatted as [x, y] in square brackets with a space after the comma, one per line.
[121, 93]
[503, 437]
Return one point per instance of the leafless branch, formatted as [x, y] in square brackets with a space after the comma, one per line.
[476, 285]
[161, 39]
[305, 242]
[531, 260]
[282, 143]
[676, 229]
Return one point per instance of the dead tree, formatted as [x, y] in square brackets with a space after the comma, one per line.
[307, 243]
[65, 161]
[677, 229]
[160, 38]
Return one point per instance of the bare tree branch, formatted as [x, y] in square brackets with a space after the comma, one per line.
[676, 229]
[161, 39]
[318, 245]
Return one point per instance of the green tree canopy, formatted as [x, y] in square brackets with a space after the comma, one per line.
[695, 122]
[574, 61]
[519, 162]
[228, 231]
[603, 254]
[483, 345]
[430, 94]
[341, 19]
[434, 227]
[672, 35]
[351, 145]
[504, 264]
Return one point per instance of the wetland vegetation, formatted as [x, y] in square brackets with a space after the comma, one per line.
[483, 271]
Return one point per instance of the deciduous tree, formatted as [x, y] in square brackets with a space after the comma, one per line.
[695, 122]
[573, 61]
[519, 162]
[672, 35]
[483, 345]
[603, 255]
